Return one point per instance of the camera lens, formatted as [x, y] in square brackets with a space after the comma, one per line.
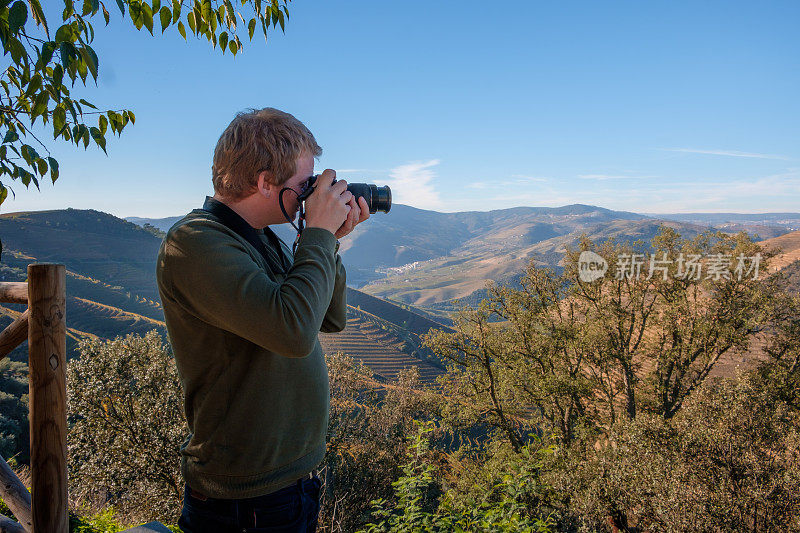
[378, 198]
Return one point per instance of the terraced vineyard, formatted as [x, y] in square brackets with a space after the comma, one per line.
[375, 347]
[107, 321]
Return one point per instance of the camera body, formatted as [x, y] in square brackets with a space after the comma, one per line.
[378, 198]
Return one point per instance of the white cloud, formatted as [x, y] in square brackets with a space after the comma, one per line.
[525, 179]
[731, 153]
[516, 180]
[412, 184]
[603, 177]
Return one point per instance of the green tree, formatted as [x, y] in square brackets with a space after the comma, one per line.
[126, 426]
[48, 62]
[728, 461]
[570, 354]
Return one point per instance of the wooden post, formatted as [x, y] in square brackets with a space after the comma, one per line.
[47, 345]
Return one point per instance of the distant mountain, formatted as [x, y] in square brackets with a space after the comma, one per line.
[766, 225]
[422, 257]
[161, 223]
[407, 234]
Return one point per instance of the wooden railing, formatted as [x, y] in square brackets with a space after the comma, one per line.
[43, 324]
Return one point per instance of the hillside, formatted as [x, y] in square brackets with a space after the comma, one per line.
[377, 348]
[501, 257]
[789, 246]
[91, 243]
[792, 273]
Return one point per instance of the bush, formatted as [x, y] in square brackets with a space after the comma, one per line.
[126, 426]
[730, 461]
[419, 505]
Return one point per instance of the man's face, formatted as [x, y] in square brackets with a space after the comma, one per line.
[304, 170]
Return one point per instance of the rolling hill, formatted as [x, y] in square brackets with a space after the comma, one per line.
[111, 288]
[427, 258]
[788, 246]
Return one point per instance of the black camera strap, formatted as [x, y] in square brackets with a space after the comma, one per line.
[237, 224]
[300, 220]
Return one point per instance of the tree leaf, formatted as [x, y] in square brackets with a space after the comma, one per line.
[46, 55]
[40, 107]
[90, 60]
[147, 17]
[98, 138]
[87, 104]
[53, 169]
[205, 12]
[182, 30]
[64, 34]
[251, 28]
[17, 17]
[59, 120]
[166, 18]
[58, 74]
[41, 165]
[11, 136]
[17, 50]
[38, 15]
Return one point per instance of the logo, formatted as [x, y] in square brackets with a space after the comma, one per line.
[591, 266]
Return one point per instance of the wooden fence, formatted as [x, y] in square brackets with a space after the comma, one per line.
[43, 324]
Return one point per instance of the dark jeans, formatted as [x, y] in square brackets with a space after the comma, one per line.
[291, 509]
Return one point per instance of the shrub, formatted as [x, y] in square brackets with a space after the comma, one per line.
[126, 425]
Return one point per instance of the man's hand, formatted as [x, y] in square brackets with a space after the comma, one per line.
[359, 212]
[329, 205]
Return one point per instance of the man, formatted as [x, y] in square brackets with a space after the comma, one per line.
[243, 314]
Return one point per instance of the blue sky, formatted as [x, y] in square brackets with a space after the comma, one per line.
[641, 106]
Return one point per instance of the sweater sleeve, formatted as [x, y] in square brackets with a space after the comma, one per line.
[336, 316]
[214, 277]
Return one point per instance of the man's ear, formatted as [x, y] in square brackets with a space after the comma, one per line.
[264, 184]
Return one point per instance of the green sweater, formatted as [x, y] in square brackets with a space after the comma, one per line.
[255, 382]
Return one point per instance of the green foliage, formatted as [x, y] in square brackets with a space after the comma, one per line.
[126, 426]
[730, 461]
[47, 61]
[572, 356]
[13, 410]
[501, 508]
[104, 521]
[366, 435]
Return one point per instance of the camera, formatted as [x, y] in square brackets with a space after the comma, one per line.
[378, 198]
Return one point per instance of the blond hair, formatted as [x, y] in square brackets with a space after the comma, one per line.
[257, 140]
